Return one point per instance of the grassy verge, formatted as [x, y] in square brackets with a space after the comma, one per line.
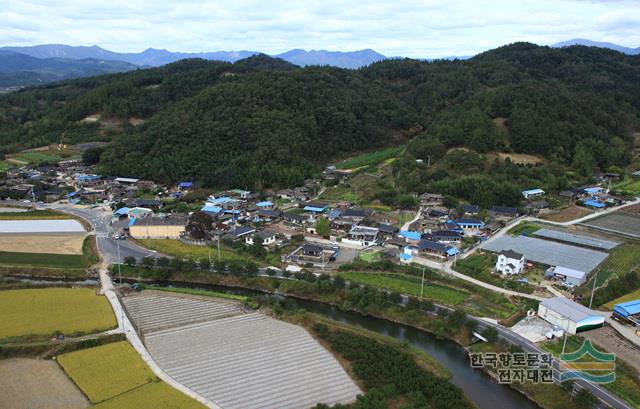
[51, 310]
[194, 291]
[627, 382]
[35, 214]
[115, 376]
[524, 228]
[408, 285]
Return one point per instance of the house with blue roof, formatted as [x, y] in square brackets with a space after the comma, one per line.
[411, 235]
[185, 185]
[593, 203]
[316, 207]
[470, 226]
[433, 248]
[211, 208]
[265, 204]
[219, 200]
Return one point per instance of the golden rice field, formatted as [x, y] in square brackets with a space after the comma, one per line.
[45, 311]
[115, 376]
[106, 371]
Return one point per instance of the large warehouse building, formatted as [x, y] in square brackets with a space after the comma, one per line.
[569, 315]
[170, 227]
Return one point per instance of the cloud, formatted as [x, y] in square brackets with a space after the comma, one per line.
[416, 28]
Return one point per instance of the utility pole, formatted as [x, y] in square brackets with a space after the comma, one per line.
[593, 290]
[428, 160]
[119, 263]
[566, 330]
[218, 248]
[422, 285]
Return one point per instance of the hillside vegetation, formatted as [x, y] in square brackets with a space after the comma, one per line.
[264, 122]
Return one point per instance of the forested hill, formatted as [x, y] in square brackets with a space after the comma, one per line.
[262, 121]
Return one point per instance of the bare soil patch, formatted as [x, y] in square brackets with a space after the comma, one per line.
[611, 341]
[37, 384]
[567, 214]
[519, 158]
[42, 243]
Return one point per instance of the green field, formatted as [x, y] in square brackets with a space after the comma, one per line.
[524, 228]
[480, 266]
[115, 376]
[621, 260]
[61, 261]
[45, 311]
[156, 395]
[628, 184]
[176, 248]
[4, 165]
[37, 157]
[106, 371]
[37, 214]
[370, 158]
[406, 284]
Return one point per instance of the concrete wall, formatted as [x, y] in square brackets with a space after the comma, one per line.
[557, 319]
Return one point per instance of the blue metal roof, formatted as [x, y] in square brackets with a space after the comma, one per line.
[452, 251]
[185, 184]
[594, 203]
[132, 221]
[405, 256]
[314, 209]
[592, 189]
[334, 214]
[122, 211]
[219, 200]
[627, 308]
[470, 221]
[211, 209]
[411, 235]
[264, 204]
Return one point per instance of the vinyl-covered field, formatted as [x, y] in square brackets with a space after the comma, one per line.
[548, 252]
[106, 371]
[237, 359]
[115, 376]
[45, 311]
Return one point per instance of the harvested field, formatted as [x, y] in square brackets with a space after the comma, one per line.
[37, 384]
[567, 214]
[42, 243]
[627, 224]
[240, 360]
[611, 341]
[44, 311]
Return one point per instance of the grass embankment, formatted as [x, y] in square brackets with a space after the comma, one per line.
[71, 265]
[114, 376]
[35, 214]
[627, 382]
[205, 293]
[46, 311]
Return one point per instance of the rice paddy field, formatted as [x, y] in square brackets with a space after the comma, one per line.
[106, 371]
[46, 311]
[114, 376]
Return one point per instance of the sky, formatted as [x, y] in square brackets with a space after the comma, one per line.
[410, 28]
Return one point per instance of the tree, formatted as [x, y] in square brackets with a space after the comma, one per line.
[147, 262]
[323, 227]
[130, 261]
[204, 264]
[162, 262]
[585, 399]
[200, 225]
[491, 334]
[91, 156]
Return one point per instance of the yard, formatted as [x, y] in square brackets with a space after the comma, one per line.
[115, 376]
[46, 311]
[406, 284]
[480, 266]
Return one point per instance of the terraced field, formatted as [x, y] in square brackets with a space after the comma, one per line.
[238, 359]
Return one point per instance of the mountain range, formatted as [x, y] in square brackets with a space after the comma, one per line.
[40, 64]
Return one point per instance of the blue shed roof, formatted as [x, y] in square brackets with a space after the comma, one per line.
[219, 200]
[314, 209]
[470, 221]
[122, 211]
[594, 203]
[264, 204]
[185, 184]
[211, 209]
[627, 308]
[411, 235]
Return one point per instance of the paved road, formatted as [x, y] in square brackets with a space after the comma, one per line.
[99, 218]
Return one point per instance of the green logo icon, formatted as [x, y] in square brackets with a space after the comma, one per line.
[589, 364]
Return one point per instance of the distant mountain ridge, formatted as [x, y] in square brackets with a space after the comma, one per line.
[590, 43]
[155, 57]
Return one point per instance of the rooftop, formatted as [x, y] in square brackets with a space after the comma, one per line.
[569, 309]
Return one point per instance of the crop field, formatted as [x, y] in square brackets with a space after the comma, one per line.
[370, 158]
[61, 261]
[106, 371]
[630, 185]
[617, 222]
[177, 248]
[45, 311]
[409, 285]
[37, 214]
[635, 295]
[156, 395]
[524, 228]
[566, 214]
[621, 261]
[50, 389]
[36, 158]
[42, 243]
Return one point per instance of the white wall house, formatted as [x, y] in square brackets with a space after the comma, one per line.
[509, 262]
[531, 193]
[268, 237]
